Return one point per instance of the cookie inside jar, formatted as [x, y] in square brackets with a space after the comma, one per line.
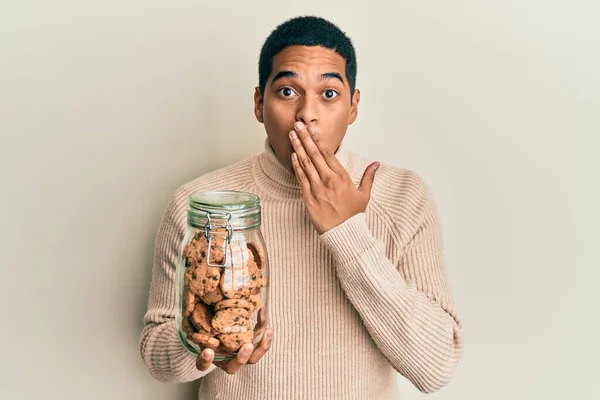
[223, 291]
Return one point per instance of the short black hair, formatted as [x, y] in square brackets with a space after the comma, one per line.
[306, 31]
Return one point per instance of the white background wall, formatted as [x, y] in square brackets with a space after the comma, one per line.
[106, 107]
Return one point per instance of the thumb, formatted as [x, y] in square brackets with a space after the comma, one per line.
[366, 183]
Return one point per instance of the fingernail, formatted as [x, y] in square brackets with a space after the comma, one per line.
[269, 335]
[206, 355]
[293, 135]
[299, 126]
[247, 350]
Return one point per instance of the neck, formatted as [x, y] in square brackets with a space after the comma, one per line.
[277, 179]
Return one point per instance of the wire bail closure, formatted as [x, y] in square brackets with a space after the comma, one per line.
[209, 236]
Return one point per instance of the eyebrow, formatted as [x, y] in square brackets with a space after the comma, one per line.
[331, 75]
[293, 75]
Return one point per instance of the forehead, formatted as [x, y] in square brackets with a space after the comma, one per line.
[308, 59]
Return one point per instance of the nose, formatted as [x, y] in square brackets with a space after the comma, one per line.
[308, 111]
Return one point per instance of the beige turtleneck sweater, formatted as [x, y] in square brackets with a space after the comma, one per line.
[348, 308]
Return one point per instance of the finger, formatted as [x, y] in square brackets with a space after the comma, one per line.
[305, 161]
[366, 183]
[240, 360]
[265, 345]
[328, 155]
[205, 359]
[306, 135]
[300, 175]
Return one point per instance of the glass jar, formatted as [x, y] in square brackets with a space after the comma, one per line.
[222, 274]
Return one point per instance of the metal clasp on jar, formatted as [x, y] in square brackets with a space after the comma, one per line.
[209, 236]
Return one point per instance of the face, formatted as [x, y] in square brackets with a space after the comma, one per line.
[308, 84]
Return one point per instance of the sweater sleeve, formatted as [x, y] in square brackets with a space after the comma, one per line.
[405, 305]
[167, 360]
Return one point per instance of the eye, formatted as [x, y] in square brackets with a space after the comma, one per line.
[286, 92]
[330, 94]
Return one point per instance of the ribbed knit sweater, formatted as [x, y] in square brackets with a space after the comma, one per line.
[349, 308]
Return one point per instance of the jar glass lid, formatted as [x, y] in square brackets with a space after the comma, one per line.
[240, 209]
[227, 200]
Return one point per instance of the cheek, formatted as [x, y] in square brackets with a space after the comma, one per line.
[277, 125]
[335, 123]
[278, 117]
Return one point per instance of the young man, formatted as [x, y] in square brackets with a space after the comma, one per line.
[358, 283]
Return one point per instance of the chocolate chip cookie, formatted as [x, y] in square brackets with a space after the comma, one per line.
[234, 341]
[234, 303]
[205, 340]
[189, 302]
[231, 320]
[213, 297]
[257, 255]
[201, 317]
[202, 279]
[235, 282]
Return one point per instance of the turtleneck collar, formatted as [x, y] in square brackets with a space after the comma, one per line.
[275, 180]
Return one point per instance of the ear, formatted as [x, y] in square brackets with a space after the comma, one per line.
[258, 105]
[354, 106]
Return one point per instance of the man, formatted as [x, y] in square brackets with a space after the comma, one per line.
[359, 287]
